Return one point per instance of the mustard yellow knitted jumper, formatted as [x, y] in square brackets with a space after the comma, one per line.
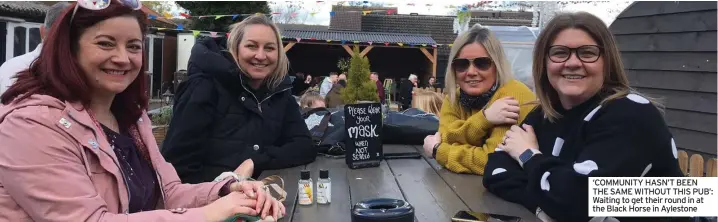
[468, 138]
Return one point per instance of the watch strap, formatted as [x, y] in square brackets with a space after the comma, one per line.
[434, 150]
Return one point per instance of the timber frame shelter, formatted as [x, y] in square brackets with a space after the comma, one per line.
[365, 48]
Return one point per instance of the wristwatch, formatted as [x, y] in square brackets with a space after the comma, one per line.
[526, 156]
[433, 152]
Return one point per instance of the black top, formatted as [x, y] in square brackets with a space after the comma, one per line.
[137, 171]
[219, 121]
[626, 137]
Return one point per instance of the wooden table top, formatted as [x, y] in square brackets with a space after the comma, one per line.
[435, 193]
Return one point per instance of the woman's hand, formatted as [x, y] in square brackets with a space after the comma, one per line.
[229, 205]
[429, 142]
[266, 204]
[246, 169]
[518, 140]
[503, 111]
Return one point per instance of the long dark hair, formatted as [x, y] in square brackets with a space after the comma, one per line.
[56, 71]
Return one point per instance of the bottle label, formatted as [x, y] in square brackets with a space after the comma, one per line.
[305, 193]
[324, 193]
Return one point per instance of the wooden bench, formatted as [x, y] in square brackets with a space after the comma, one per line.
[695, 166]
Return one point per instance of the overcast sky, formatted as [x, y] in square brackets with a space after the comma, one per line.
[607, 11]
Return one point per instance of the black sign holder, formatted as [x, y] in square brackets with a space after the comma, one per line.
[363, 123]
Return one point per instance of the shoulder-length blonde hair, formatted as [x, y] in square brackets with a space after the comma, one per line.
[615, 80]
[427, 101]
[237, 34]
[483, 36]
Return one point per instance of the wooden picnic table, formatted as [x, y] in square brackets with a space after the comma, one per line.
[435, 193]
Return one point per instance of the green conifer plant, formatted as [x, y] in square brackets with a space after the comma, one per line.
[359, 86]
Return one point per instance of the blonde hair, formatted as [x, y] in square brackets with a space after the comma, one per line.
[615, 81]
[483, 36]
[235, 37]
[309, 98]
[427, 101]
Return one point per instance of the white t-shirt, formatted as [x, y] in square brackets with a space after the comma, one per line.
[11, 67]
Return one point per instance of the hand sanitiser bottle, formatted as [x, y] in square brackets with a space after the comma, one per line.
[324, 188]
[306, 189]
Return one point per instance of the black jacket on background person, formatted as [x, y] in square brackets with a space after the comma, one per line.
[217, 122]
[625, 137]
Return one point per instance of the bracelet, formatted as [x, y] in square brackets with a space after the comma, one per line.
[435, 149]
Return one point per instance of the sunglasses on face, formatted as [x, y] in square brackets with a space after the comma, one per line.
[481, 63]
[586, 53]
[103, 4]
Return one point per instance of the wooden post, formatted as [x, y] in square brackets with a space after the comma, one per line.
[432, 59]
[346, 47]
[366, 50]
[696, 166]
[436, 54]
[288, 46]
[683, 162]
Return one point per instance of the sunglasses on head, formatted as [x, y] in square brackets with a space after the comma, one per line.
[481, 63]
[103, 4]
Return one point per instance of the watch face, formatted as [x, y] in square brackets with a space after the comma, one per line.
[526, 155]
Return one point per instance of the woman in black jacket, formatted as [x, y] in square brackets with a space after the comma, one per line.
[590, 123]
[236, 113]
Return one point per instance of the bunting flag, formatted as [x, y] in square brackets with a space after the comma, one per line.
[195, 33]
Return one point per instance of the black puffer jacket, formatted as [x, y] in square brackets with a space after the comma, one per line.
[217, 122]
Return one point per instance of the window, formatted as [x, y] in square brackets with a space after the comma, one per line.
[19, 42]
[20, 38]
[33, 38]
[3, 37]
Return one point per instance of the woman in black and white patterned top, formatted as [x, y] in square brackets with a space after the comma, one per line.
[590, 123]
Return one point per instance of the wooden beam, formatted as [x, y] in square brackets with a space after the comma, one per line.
[288, 46]
[436, 54]
[376, 45]
[346, 47]
[428, 55]
[366, 50]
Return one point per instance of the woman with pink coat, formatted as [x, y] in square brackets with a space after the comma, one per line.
[77, 144]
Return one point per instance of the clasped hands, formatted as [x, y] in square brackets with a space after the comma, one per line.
[246, 197]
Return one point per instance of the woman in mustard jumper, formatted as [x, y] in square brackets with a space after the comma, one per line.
[475, 117]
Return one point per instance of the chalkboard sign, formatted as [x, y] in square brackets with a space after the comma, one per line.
[363, 124]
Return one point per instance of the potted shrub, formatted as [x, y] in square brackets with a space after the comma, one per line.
[359, 89]
[160, 122]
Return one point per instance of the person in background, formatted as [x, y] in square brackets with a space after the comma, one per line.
[327, 84]
[13, 66]
[475, 116]
[77, 144]
[406, 91]
[311, 100]
[374, 76]
[301, 83]
[590, 124]
[428, 101]
[414, 80]
[238, 114]
[334, 97]
[432, 84]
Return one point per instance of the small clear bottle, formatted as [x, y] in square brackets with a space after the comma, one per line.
[324, 188]
[306, 189]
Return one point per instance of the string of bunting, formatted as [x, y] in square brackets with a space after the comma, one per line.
[463, 7]
[343, 42]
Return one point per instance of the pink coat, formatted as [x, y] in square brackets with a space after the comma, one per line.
[53, 167]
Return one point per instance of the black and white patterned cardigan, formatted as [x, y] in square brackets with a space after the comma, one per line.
[625, 137]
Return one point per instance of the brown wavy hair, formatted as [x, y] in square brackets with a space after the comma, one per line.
[615, 82]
